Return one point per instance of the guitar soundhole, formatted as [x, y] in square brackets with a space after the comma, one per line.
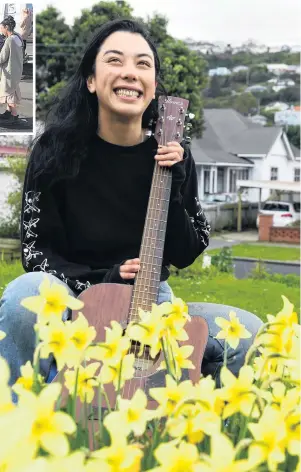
[143, 362]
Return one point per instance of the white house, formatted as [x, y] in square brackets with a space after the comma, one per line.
[289, 117]
[222, 71]
[233, 148]
[279, 106]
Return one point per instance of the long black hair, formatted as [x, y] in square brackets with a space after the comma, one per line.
[73, 121]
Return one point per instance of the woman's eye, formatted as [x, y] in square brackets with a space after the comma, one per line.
[114, 59]
[144, 63]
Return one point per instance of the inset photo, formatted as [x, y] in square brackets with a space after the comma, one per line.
[16, 68]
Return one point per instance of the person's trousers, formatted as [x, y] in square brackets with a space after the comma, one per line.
[19, 344]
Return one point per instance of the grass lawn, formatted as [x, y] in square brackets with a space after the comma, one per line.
[261, 297]
[263, 252]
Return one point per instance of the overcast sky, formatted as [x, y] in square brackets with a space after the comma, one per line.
[272, 22]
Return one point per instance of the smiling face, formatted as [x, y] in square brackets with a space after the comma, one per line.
[125, 78]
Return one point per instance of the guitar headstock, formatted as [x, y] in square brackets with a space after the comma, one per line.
[171, 119]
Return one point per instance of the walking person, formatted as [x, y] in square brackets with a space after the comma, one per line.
[11, 67]
[26, 27]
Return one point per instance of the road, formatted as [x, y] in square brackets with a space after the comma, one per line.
[243, 268]
[26, 106]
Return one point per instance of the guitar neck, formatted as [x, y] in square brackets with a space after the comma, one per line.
[147, 281]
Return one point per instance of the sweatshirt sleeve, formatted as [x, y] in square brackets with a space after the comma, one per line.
[43, 236]
[188, 230]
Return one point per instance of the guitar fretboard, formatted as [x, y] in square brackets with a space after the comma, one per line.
[151, 252]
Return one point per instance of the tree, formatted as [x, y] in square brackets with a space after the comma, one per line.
[245, 103]
[214, 88]
[293, 134]
[53, 44]
[290, 94]
[157, 26]
[89, 22]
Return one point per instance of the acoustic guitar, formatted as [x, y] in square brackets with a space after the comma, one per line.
[120, 302]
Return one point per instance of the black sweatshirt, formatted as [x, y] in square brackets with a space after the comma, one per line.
[82, 229]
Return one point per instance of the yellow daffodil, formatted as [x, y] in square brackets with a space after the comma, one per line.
[148, 331]
[132, 415]
[118, 373]
[291, 441]
[193, 423]
[232, 331]
[6, 404]
[86, 381]
[55, 339]
[268, 434]
[238, 392]
[222, 457]
[53, 300]
[208, 397]
[2, 335]
[46, 428]
[25, 382]
[178, 359]
[287, 316]
[173, 458]
[113, 349]
[81, 335]
[119, 456]
[172, 395]
[174, 316]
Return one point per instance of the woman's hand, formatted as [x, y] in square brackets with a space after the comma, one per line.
[129, 269]
[169, 155]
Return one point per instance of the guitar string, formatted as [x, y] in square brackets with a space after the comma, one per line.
[156, 229]
[165, 172]
[137, 295]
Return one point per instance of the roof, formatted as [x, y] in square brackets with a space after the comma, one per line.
[270, 184]
[296, 151]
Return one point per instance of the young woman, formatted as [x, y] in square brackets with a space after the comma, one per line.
[88, 181]
[11, 67]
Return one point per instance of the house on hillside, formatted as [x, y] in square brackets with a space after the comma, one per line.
[289, 117]
[233, 148]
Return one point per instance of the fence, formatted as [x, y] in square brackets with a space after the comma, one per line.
[225, 216]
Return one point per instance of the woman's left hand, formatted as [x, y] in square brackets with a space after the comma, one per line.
[169, 155]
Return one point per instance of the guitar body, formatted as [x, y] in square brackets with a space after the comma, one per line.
[107, 302]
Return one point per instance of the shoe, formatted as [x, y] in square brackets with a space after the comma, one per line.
[6, 115]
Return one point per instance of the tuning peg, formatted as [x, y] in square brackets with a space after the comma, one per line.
[187, 139]
[188, 126]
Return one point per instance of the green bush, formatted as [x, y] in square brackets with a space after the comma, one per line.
[223, 261]
[10, 225]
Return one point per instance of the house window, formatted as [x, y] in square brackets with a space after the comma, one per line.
[245, 174]
[297, 175]
[220, 179]
[233, 178]
[274, 173]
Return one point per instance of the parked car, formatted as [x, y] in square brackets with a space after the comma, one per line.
[215, 198]
[284, 213]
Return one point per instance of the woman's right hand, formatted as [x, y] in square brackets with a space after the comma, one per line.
[129, 269]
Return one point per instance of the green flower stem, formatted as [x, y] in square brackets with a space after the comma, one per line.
[85, 422]
[91, 417]
[107, 400]
[74, 395]
[100, 426]
[166, 357]
[118, 387]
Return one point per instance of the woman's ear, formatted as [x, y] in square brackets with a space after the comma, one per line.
[91, 84]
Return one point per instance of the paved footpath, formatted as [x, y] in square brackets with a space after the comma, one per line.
[228, 239]
[25, 108]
